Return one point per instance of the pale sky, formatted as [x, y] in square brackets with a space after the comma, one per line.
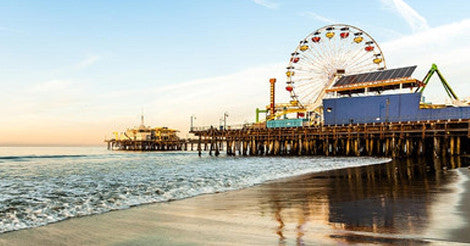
[72, 72]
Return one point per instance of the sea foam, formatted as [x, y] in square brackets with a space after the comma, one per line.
[39, 191]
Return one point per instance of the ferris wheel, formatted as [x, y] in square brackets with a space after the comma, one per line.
[325, 55]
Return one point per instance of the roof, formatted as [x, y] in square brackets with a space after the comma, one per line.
[384, 75]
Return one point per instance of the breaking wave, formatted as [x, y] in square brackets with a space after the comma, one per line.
[49, 188]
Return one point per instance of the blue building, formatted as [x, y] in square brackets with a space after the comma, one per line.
[347, 109]
[385, 108]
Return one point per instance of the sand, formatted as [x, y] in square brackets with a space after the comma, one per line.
[401, 202]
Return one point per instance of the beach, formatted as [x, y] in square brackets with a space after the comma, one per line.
[403, 201]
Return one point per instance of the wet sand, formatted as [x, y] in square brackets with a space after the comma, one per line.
[401, 202]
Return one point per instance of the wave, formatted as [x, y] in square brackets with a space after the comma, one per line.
[99, 185]
[20, 157]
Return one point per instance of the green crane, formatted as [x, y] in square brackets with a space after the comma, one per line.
[259, 111]
[428, 76]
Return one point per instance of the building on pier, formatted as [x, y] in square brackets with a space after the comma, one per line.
[343, 108]
[145, 138]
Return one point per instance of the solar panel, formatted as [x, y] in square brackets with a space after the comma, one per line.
[381, 76]
[388, 74]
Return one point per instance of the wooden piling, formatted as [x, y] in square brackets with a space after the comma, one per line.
[385, 139]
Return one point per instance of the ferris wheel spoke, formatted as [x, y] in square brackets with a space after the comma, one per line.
[324, 51]
[359, 61]
[309, 85]
[360, 66]
[308, 60]
[315, 65]
[329, 54]
[349, 52]
[307, 99]
[319, 63]
[312, 82]
[364, 60]
[363, 69]
[311, 90]
[305, 72]
[312, 58]
[303, 79]
[359, 53]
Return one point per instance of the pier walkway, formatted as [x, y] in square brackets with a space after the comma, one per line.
[439, 138]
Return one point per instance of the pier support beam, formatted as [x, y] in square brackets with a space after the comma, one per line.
[436, 147]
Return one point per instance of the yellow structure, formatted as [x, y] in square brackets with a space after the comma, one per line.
[145, 133]
[358, 39]
[276, 110]
[304, 47]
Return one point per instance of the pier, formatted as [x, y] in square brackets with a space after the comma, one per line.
[337, 107]
[399, 139]
[146, 138]
[147, 145]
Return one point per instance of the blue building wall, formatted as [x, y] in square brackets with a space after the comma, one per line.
[385, 108]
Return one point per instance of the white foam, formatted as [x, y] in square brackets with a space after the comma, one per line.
[445, 208]
[42, 191]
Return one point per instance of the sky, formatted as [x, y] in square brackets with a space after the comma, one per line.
[72, 72]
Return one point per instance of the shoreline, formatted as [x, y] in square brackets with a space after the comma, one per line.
[463, 207]
[316, 165]
[301, 175]
[278, 211]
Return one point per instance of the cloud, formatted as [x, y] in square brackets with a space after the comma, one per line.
[416, 21]
[90, 60]
[238, 93]
[320, 18]
[50, 86]
[443, 45]
[267, 3]
[44, 100]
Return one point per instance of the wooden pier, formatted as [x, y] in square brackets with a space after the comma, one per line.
[399, 139]
[147, 145]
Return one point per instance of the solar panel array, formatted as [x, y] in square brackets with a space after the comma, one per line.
[389, 74]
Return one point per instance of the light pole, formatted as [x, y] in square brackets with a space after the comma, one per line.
[192, 121]
[225, 120]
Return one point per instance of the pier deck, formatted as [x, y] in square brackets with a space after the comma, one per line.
[439, 138]
[147, 145]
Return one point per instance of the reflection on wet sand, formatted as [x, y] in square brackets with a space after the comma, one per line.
[388, 203]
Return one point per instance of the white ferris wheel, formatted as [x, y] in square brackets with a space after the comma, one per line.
[325, 55]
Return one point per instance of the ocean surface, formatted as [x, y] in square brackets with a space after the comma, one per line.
[42, 185]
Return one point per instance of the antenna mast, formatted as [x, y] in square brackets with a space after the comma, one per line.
[142, 118]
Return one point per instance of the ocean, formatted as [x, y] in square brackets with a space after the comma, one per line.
[43, 185]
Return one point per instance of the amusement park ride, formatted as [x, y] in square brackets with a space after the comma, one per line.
[337, 61]
[345, 101]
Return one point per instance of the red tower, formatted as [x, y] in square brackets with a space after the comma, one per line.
[273, 92]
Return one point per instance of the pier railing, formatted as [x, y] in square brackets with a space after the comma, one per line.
[230, 127]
